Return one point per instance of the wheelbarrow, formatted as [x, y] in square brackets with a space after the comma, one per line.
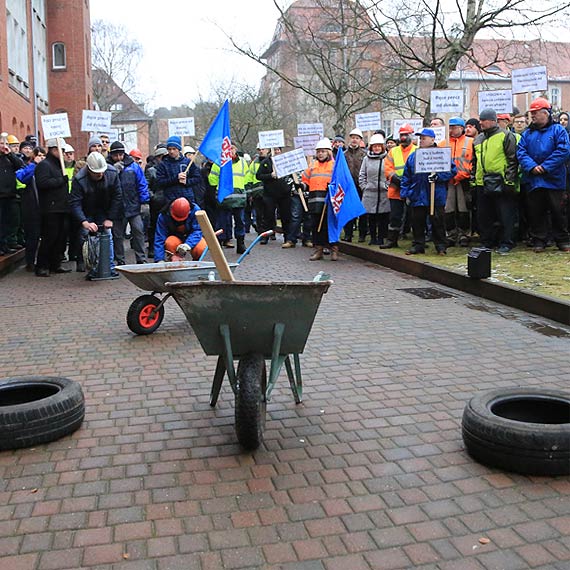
[252, 322]
[146, 312]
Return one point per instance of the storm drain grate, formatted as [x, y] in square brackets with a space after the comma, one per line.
[427, 293]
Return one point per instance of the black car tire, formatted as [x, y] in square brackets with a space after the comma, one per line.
[524, 430]
[38, 409]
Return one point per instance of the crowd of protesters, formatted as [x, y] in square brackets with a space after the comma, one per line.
[507, 185]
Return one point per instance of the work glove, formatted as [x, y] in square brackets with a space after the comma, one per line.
[145, 209]
[432, 177]
[183, 249]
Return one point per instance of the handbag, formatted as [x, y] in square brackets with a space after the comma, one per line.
[493, 183]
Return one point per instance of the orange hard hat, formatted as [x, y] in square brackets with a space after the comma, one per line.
[171, 243]
[180, 209]
[540, 103]
[406, 129]
[136, 153]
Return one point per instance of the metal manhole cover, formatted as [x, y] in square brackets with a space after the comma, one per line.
[427, 293]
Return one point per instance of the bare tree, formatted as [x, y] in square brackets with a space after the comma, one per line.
[328, 54]
[115, 56]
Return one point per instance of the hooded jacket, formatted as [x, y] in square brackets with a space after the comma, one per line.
[549, 147]
[133, 185]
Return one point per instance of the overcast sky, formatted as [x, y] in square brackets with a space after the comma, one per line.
[185, 51]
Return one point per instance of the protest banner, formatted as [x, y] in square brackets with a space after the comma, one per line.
[529, 79]
[289, 162]
[369, 121]
[55, 126]
[416, 124]
[439, 134]
[271, 139]
[501, 101]
[95, 121]
[183, 127]
[304, 129]
[447, 101]
[307, 143]
[435, 159]
[113, 134]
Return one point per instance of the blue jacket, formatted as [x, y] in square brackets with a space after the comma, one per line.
[548, 147]
[416, 188]
[189, 231]
[134, 186]
[26, 173]
[167, 178]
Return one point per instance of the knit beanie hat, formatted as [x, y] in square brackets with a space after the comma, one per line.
[93, 141]
[488, 115]
[475, 122]
[175, 142]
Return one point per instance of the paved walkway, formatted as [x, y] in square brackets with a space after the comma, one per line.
[369, 472]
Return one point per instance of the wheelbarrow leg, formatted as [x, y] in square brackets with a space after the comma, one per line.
[229, 356]
[295, 379]
[218, 379]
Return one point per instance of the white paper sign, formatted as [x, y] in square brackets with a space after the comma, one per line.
[433, 159]
[113, 134]
[307, 143]
[304, 129]
[439, 134]
[500, 100]
[447, 101]
[289, 162]
[56, 125]
[181, 127]
[397, 124]
[271, 139]
[95, 121]
[529, 79]
[369, 121]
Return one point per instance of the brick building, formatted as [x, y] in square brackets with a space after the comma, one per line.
[488, 67]
[45, 54]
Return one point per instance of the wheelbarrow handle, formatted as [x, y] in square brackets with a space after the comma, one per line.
[253, 244]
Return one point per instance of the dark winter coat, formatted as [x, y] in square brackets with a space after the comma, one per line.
[354, 158]
[96, 200]
[9, 163]
[134, 187]
[167, 178]
[52, 185]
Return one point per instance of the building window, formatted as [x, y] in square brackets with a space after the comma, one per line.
[555, 97]
[17, 36]
[116, 107]
[59, 56]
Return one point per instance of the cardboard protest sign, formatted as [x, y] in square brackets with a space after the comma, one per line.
[439, 134]
[113, 134]
[56, 125]
[311, 129]
[434, 159]
[307, 143]
[447, 101]
[500, 101]
[529, 79]
[416, 124]
[271, 139]
[289, 162]
[95, 121]
[183, 127]
[369, 121]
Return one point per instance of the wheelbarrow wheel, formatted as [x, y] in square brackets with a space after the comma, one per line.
[250, 400]
[143, 317]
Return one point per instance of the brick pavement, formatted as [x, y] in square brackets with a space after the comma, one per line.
[369, 472]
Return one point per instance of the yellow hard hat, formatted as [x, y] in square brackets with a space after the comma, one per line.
[13, 140]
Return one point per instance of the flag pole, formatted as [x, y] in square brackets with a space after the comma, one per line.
[322, 218]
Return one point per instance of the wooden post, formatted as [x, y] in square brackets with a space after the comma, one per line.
[60, 155]
[214, 246]
[432, 199]
[322, 218]
[300, 191]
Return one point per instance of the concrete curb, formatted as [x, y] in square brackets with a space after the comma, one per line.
[543, 305]
[10, 262]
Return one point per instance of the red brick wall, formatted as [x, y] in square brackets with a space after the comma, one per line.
[70, 90]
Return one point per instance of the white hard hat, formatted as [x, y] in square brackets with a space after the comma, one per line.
[324, 143]
[68, 148]
[188, 149]
[376, 139]
[96, 162]
[356, 131]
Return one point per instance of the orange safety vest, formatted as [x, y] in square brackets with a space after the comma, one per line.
[462, 154]
[317, 177]
[395, 162]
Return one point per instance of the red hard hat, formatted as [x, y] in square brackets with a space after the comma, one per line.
[180, 209]
[503, 116]
[136, 153]
[406, 129]
[540, 103]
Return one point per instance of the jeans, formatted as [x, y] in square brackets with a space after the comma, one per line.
[299, 217]
[224, 222]
[137, 232]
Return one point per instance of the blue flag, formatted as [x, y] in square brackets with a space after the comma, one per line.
[217, 147]
[344, 204]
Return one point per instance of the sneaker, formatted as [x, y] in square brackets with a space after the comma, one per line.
[504, 250]
[288, 245]
[308, 243]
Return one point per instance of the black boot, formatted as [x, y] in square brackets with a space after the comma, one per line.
[240, 247]
[391, 240]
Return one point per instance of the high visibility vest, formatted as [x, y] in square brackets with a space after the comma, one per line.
[463, 158]
[240, 172]
[317, 177]
[394, 163]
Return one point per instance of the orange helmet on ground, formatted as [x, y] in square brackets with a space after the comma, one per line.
[406, 129]
[198, 249]
[180, 209]
[540, 103]
[171, 243]
[136, 153]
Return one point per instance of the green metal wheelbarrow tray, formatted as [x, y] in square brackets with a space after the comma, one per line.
[252, 322]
